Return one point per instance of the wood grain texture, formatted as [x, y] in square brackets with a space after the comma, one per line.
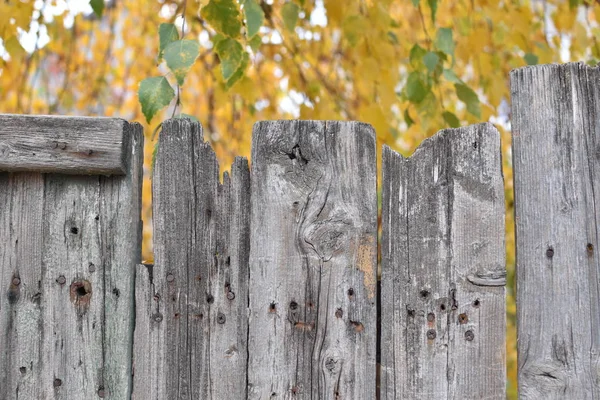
[191, 326]
[556, 147]
[71, 145]
[313, 258]
[68, 246]
[443, 269]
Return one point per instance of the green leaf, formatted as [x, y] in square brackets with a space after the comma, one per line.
[416, 55]
[433, 4]
[230, 52]
[409, 121]
[415, 3]
[531, 59]
[290, 12]
[451, 119]
[188, 116]
[239, 73]
[469, 97]
[451, 76]
[415, 89]
[97, 7]
[167, 34]
[444, 41]
[223, 16]
[180, 56]
[431, 60]
[255, 43]
[154, 94]
[254, 17]
[393, 38]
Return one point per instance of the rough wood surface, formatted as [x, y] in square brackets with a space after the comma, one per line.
[313, 258]
[443, 269]
[556, 147]
[191, 325]
[72, 145]
[68, 248]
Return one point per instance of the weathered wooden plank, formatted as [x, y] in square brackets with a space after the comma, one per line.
[72, 244]
[313, 256]
[71, 145]
[21, 205]
[556, 128]
[194, 306]
[443, 273]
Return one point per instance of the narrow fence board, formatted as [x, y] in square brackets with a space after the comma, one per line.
[443, 269]
[556, 128]
[191, 330]
[67, 271]
[72, 145]
[21, 208]
[313, 258]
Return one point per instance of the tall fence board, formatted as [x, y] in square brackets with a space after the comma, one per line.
[313, 256]
[556, 128]
[69, 245]
[443, 269]
[191, 326]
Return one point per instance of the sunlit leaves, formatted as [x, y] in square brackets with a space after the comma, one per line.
[230, 53]
[97, 7]
[289, 13]
[223, 16]
[444, 41]
[154, 94]
[180, 56]
[254, 17]
[469, 97]
[167, 34]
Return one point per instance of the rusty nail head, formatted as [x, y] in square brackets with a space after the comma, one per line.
[101, 392]
[170, 278]
[469, 335]
[230, 295]
[463, 318]
[16, 281]
[221, 318]
[590, 248]
[157, 317]
[431, 317]
[431, 334]
[57, 382]
[550, 252]
[61, 280]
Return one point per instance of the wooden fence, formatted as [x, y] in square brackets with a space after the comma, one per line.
[265, 285]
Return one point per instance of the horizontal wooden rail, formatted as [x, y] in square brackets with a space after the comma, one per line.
[70, 145]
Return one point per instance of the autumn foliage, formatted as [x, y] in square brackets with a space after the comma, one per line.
[409, 68]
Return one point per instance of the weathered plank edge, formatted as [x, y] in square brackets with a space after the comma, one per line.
[63, 144]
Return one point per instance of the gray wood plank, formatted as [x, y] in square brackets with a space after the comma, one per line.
[443, 269]
[21, 205]
[71, 145]
[195, 303]
[313, 259]
[556, 128]
[68, 323]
